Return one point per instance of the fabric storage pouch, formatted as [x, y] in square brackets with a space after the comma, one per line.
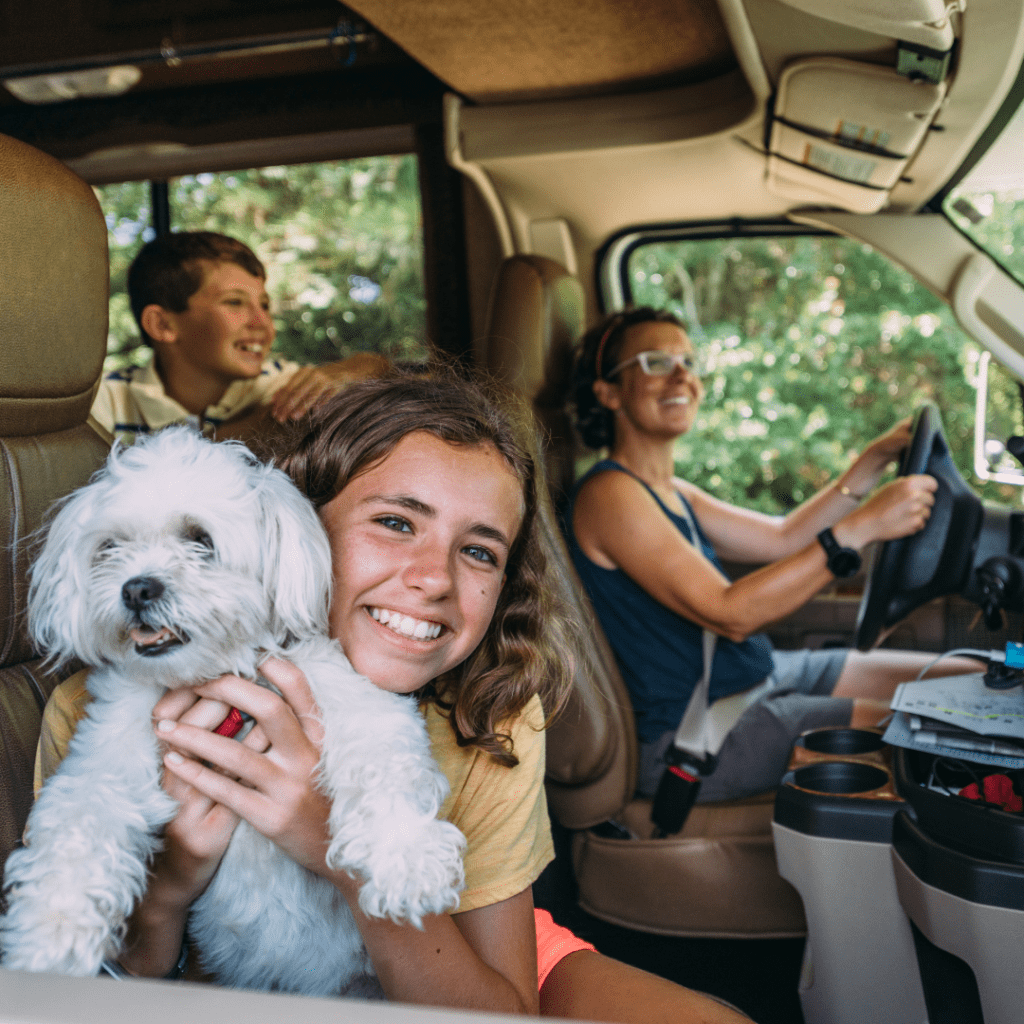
[842, 132]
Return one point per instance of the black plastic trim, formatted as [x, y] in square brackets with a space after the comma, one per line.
[985, 882]
[830, 816]
[975, 828]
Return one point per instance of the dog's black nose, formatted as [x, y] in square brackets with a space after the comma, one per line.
[141, 591]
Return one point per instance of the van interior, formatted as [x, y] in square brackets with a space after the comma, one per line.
[825, 192]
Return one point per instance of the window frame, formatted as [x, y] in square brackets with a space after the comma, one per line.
[611, 271]
[446, 290]
[1013, 101]
[611, 265]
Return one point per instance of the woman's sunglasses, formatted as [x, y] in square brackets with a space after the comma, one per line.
[660, 364]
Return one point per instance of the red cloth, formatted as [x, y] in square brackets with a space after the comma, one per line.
[997, 789]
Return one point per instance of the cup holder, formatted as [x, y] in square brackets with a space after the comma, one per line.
[841, 741]
[842, 778]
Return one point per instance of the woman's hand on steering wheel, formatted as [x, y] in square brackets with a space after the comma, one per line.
[876, 458]
[899, 509]
[889, 446]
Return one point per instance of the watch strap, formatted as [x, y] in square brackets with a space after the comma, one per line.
[841, 561]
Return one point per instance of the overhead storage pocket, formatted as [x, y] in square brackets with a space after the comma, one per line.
[842, 132]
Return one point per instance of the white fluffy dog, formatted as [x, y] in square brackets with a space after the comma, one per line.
[183, 560]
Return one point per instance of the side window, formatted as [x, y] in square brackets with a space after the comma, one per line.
[814, 345]
[127, 210]
[341, 241]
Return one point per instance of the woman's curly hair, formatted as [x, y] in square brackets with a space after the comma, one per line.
[602, 344]
[527, 649]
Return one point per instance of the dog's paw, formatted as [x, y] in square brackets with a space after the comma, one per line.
[418, 872]
[51, 936]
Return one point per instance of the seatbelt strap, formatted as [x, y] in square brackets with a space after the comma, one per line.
[687, 759]
[691, 736]
[701, 733]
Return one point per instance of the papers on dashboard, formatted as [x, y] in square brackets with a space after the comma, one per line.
[958, 716]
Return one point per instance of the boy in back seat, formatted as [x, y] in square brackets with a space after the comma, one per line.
[201, 304]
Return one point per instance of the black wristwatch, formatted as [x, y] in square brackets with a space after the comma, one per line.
[841, 561]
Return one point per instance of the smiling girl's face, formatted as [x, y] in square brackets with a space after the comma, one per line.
[419, 545]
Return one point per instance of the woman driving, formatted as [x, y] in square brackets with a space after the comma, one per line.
[647, 546]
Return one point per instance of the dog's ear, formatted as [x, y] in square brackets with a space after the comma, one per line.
[296, 558]
[56, 605]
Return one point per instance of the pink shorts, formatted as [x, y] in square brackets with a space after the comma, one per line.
[553, 943]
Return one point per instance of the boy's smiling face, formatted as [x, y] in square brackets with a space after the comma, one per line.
[226, 331]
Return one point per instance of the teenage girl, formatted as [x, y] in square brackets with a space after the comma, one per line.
[428, 492]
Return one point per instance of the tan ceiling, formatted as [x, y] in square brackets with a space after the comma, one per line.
[492, 50]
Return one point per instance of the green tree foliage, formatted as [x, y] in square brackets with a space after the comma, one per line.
[126, 208]
[813, 346]
[342, 243]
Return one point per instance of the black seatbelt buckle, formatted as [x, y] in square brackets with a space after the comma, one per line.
[677, 790]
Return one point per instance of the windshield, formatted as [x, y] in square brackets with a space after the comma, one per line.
[988, 204]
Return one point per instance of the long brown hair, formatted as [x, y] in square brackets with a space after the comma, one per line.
[526, 650]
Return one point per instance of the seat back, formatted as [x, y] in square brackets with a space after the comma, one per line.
[536, 316]
[53, 327]
[718, 876]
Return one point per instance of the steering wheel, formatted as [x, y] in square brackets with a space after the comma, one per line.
[909, 572]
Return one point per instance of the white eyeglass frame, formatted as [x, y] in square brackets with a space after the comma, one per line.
[687, 360]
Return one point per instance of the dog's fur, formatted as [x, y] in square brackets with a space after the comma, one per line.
[244, 567]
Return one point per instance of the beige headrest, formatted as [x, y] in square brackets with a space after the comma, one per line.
[535, 317]
[54, 284]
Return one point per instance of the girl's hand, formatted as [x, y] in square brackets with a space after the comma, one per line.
[195, 841]
[491, 951]
[194, 844]
[899, 509]
[270, 781]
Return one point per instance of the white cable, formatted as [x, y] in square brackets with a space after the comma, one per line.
[970, 652]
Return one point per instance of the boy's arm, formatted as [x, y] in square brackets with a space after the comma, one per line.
[301, 391]
[311, 385]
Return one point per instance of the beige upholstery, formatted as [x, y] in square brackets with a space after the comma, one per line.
[718, 876]
[53, 329]
[534, 317]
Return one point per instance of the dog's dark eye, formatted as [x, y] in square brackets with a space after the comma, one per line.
[105, 547]
[197, 535]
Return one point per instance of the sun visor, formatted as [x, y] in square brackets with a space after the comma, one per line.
[925, 22]
[842, 132]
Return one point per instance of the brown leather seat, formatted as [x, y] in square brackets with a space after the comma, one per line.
[718, 877]
[53, 333]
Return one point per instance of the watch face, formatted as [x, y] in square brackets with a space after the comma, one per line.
[844, 562]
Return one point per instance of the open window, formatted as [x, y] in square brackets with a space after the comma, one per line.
[341, 240]
[813, 345]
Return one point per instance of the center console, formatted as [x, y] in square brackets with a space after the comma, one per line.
[914, 894]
